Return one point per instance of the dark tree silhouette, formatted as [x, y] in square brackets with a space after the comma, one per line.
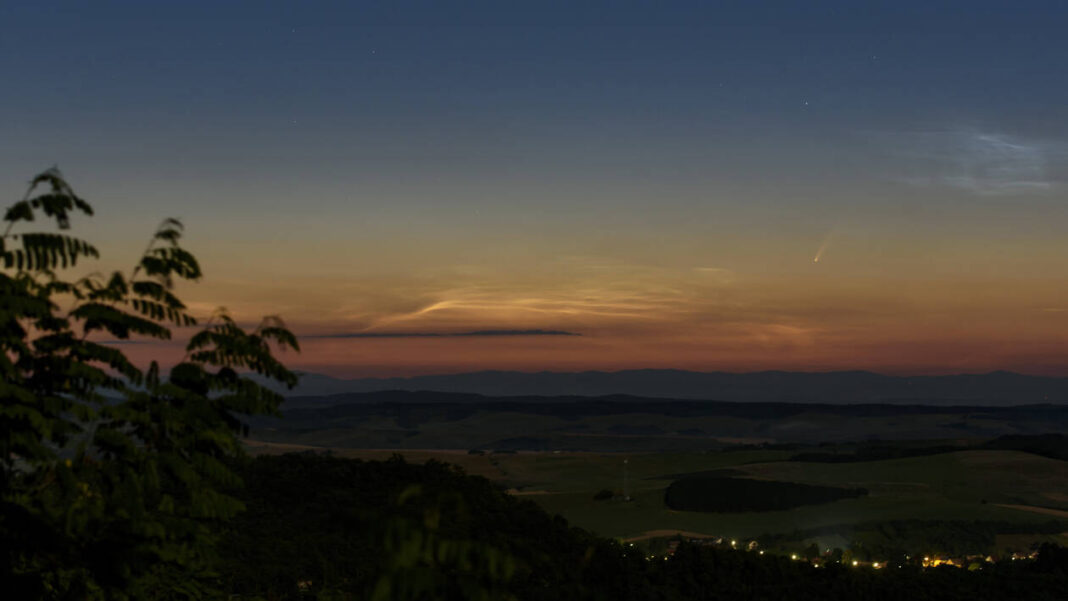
[112, 478]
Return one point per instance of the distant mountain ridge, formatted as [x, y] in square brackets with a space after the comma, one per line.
[841, 387]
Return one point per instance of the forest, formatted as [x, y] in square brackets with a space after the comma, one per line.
[1052, 445]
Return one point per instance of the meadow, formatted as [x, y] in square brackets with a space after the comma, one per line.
[975, 485]
[604, 464]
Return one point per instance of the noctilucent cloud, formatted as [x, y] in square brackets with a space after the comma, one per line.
[428, 187]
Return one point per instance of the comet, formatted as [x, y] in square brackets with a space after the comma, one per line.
[823, 246]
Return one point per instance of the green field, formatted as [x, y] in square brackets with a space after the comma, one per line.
[950, 486]
[944, 487]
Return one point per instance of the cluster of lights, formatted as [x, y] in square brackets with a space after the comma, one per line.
[733, 543]
[815, 564]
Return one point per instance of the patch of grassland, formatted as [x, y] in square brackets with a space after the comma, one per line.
[965, 477]
[950, 486]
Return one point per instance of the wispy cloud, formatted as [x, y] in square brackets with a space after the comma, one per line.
[577, 294]
[472, 333]
[985, 163]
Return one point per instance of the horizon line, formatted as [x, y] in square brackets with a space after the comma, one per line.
[688, 371]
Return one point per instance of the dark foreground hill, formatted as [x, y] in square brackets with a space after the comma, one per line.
[995, 388]
[319, 527]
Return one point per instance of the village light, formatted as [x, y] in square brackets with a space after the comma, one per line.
[855, 562]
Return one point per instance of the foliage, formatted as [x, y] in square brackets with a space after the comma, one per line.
[603, 495]
[421, 563]
[875, 452]
[1053, 445]
[717, 493]
[111, 478]
[349, 527]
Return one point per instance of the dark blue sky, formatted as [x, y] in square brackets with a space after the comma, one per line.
[284, 70]
[226, 79]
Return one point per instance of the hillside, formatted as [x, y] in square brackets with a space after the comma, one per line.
[427, 420]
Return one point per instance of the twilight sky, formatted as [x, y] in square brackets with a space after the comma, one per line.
[657, 178]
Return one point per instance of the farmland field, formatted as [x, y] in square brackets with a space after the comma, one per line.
[967, 485]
